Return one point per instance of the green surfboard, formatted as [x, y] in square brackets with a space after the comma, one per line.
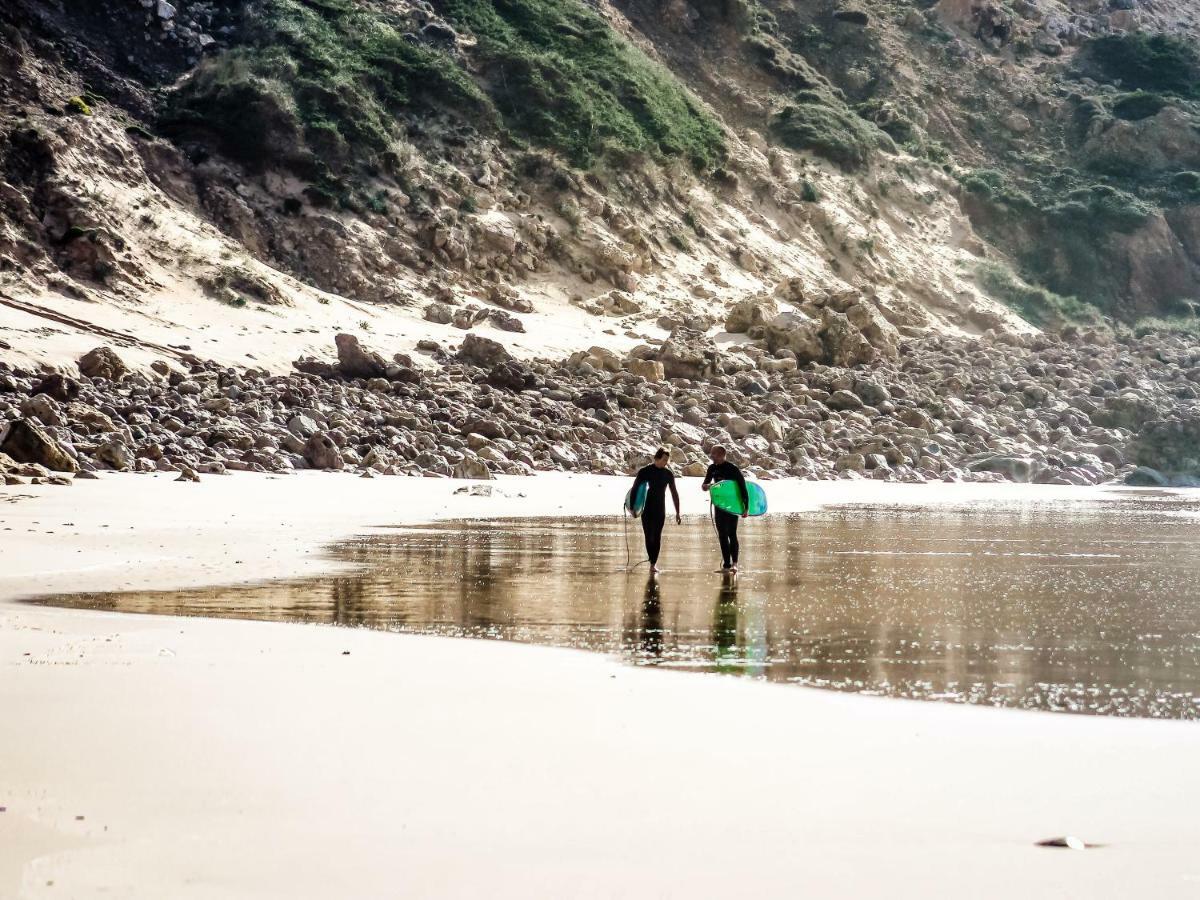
[726, 496]
[635, 505]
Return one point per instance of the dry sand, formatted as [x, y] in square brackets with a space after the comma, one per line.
[183, 758]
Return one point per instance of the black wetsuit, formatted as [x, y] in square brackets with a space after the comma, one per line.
[727, 522]
[654, 513]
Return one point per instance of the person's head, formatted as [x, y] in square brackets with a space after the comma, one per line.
[662, 456]
[717, 454]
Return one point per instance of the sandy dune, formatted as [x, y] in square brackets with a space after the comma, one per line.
[239, 759]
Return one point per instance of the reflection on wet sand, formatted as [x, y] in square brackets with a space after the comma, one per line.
[1093, 608]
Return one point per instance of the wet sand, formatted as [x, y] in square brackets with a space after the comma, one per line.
[242, 759]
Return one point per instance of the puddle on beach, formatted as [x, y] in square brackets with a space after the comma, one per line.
[1088, 607]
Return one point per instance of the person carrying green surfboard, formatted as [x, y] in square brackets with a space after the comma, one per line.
[727, 523]
[654, 513]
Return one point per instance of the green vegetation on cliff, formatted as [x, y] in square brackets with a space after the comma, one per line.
[316, 84]
[560, 76]
[817, 121]
[1158, 63]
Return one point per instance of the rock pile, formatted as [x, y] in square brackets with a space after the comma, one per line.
[1076, 410]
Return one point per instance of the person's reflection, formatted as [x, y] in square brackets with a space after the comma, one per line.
[725, 621]
[650, 645]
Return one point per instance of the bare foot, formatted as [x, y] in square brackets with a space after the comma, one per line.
[655, 569]
[733, 569]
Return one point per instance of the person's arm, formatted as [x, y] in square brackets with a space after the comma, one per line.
[638, 480]
[741, 480]
[708, 477]
[675, 497]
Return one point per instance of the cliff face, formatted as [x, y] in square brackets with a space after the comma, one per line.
[572, 174]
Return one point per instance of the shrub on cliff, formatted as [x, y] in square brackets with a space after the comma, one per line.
[1160, 63]
[316, 85]
[817, 121]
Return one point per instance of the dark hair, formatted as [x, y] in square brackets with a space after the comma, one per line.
[661, 452]
[720, 448]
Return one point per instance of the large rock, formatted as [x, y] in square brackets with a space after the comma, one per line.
[750, 312]
[102, 362]
[321, 452]
[1128, 410]
[650, 369]
[59, 387]
[482, 352]
[690, 355]
[511, 375]
[115, 455]
[1172, 446]
[879, 332]
[844, 344]
[44, 408]
[26, 442]
[355, 361]
[1020, 469]
[797, 333]
[843, 400]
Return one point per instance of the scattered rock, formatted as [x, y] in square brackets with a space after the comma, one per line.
[103, 362]
[356, 362]
[26, 442]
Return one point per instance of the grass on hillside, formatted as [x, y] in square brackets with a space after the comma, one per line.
[1158, 63]
[817, 121]
[320, 83]
[562, 77]
[1036, 305]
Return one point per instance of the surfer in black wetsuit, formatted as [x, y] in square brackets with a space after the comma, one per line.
[727, 523]
[654, 513]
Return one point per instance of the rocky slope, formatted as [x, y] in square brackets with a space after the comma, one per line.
[1080, 410]
[775, 203]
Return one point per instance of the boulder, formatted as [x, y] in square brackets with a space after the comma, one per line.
[439, 313]
[750, 312]
[102, 362]
[44, 408]
[1020, 469]
[1144, 476]
[471, 466]
[115, 455]
[842, 400]
[482, 352]
[320, 452]
[1172, 446]
[506, 321]
[879, 332]
[26, 442]
[355, 361]
[61, 388]
[688, 354]
[795, 333]
[844, 344]
[650, 369]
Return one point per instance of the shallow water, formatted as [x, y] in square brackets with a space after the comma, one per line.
[1091, 607]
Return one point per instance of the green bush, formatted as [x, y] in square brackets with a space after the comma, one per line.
[1138, 105]
[317, 84]
[1159, 63]
[560, 76]
[1100, 208]
[817, 121]
[1036, 305]
[994, 186]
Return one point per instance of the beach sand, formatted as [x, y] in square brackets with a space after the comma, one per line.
[148, 757]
